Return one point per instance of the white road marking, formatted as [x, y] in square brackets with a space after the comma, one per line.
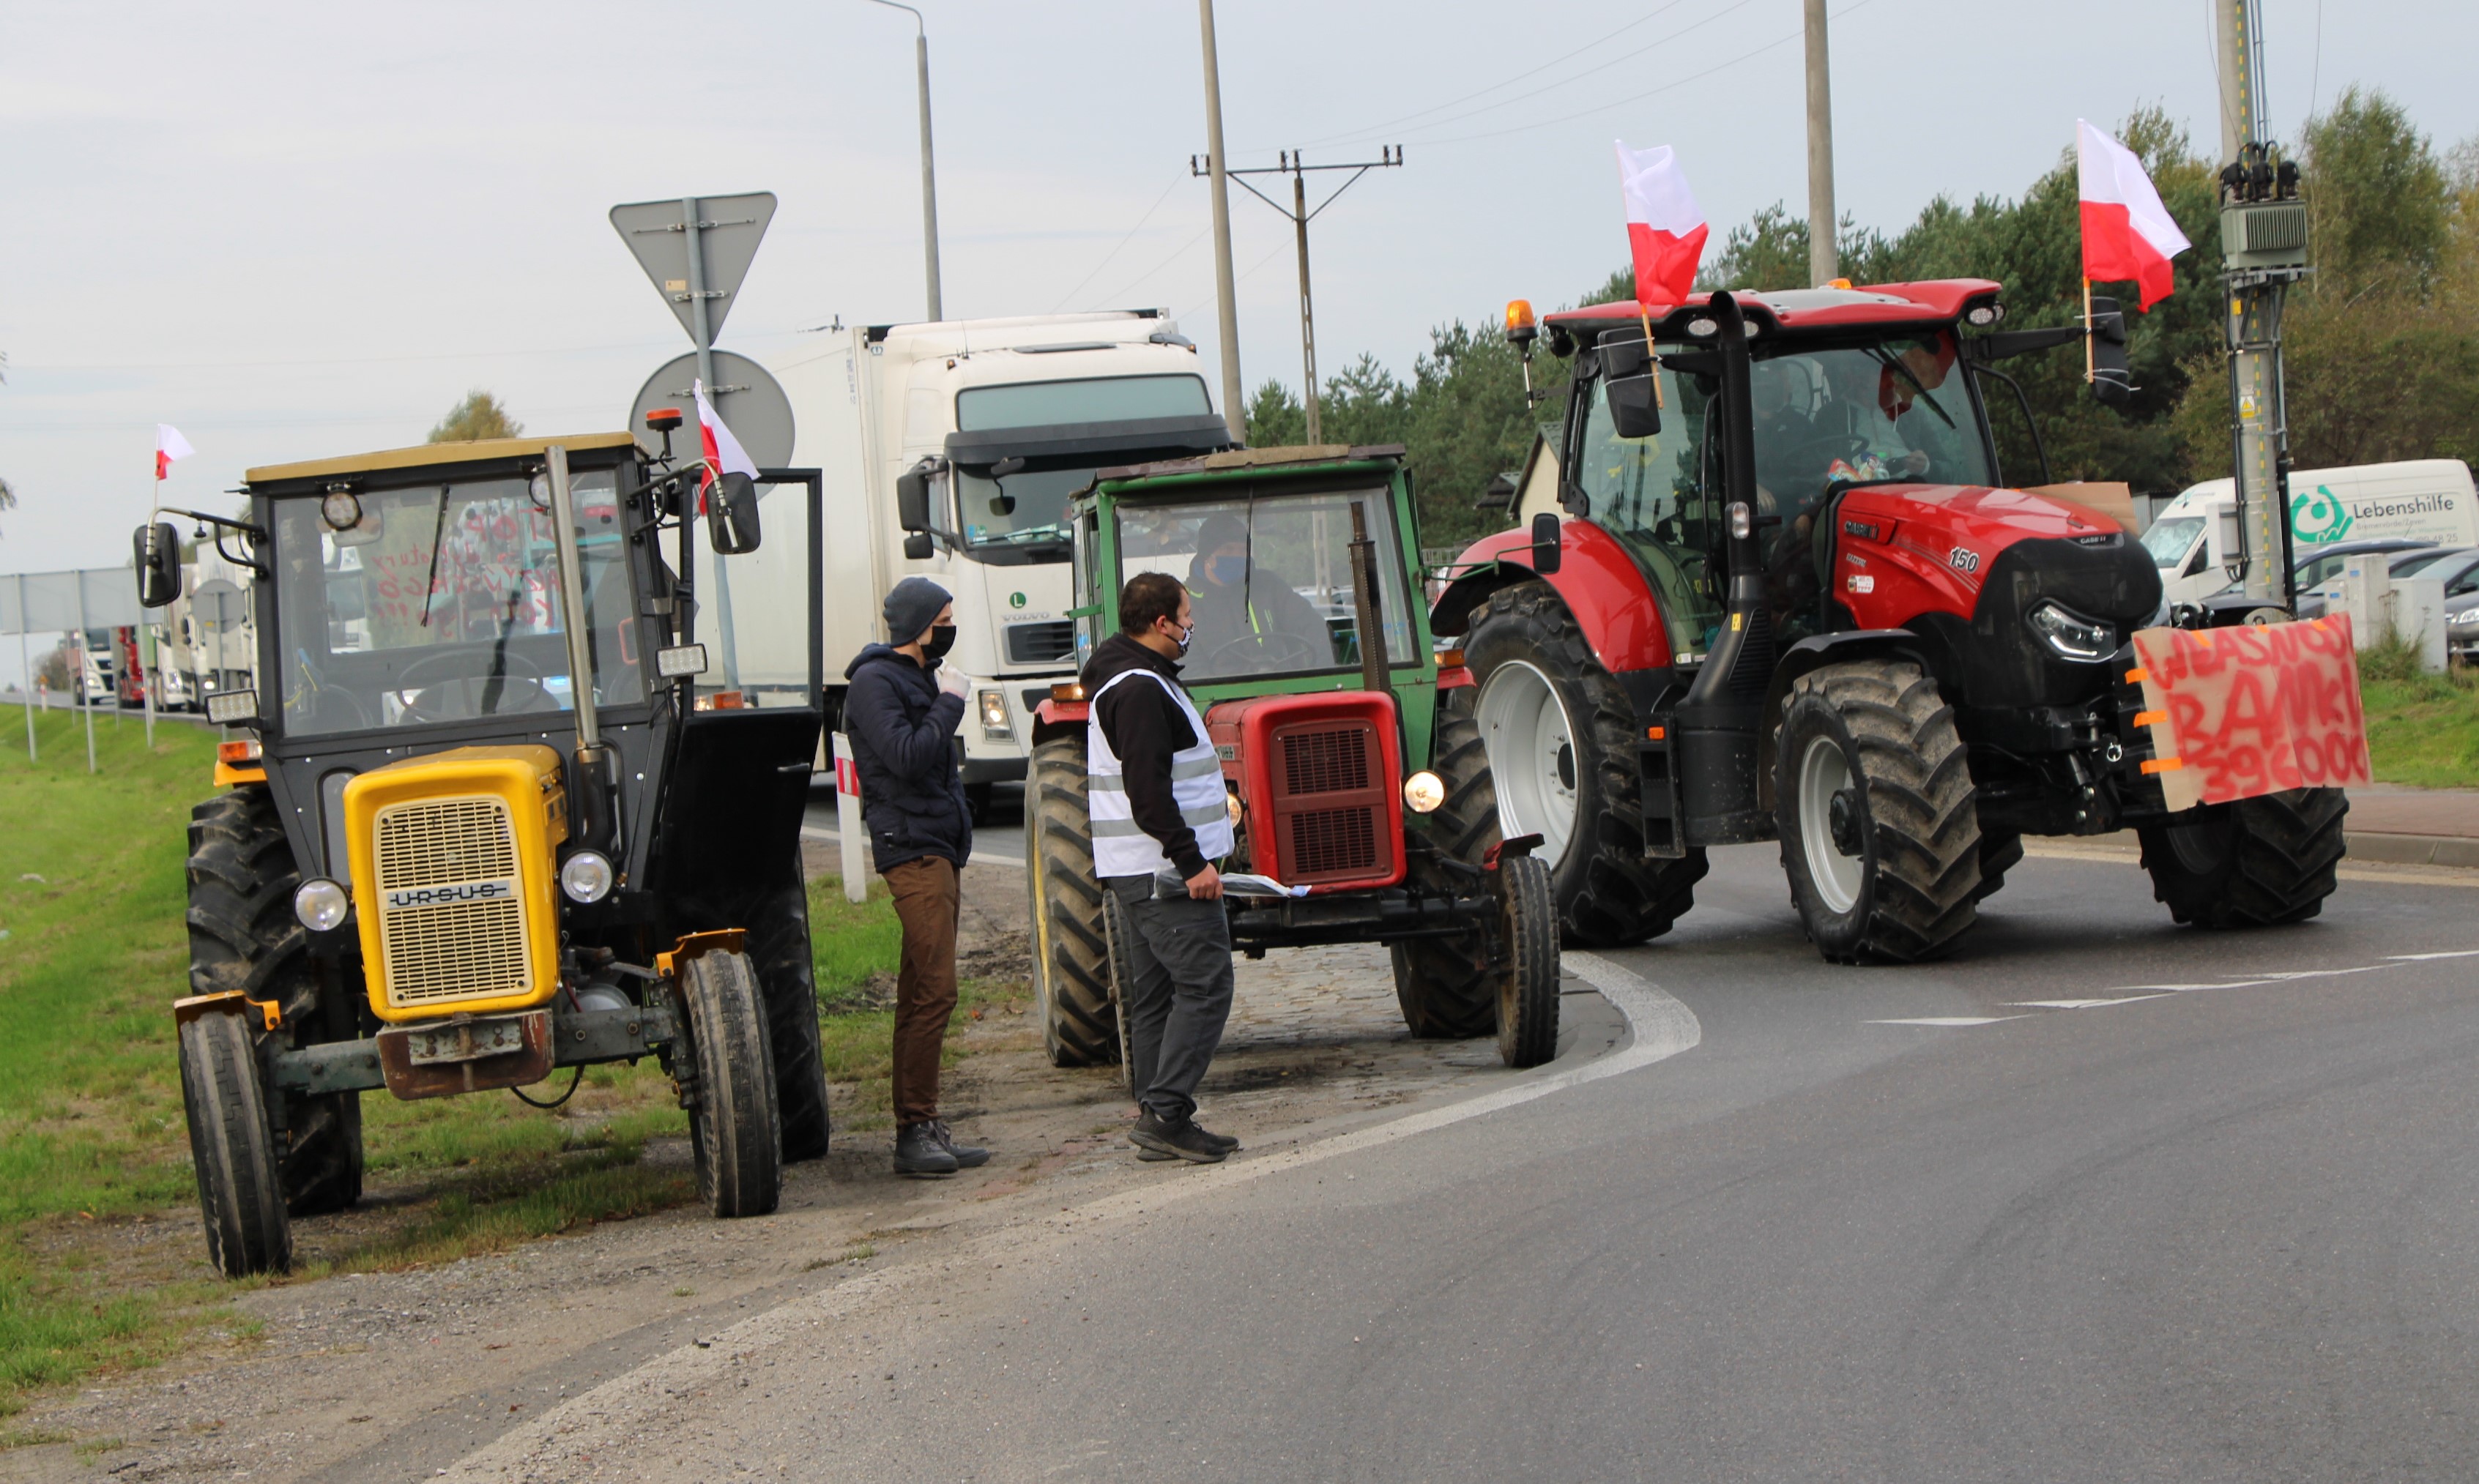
[2082, 1004]
[1660, 1027]
[2415, 958]
[1951, 1020]
[2130, 994]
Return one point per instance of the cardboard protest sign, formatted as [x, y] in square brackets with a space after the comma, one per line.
[2240, 712]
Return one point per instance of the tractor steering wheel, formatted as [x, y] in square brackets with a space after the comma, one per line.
[430, 692]
[1275, 652]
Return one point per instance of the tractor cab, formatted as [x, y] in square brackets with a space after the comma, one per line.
[489, 823]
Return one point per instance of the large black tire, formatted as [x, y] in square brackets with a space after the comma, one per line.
[240, 1192]
[243, 936]
[735, 1126]
[1071, 970]
[1609, 893]
[1443, 984]
[2256, 862]
[2000, 852]
[779, 948]
[1117, 932]
[1868, 763]
[1527, 981]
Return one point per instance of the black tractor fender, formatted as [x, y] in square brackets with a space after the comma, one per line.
[1451, 614]
[1812, 654]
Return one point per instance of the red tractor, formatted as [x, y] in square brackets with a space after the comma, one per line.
[1793, 598]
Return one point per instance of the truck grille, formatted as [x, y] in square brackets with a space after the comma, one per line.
[1330, 811]
[451, 911]
[1041, 644]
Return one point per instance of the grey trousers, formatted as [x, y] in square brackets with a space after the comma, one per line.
[1178, 996]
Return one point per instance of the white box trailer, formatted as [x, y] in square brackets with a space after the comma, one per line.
[1003, 419]
[2417, 499]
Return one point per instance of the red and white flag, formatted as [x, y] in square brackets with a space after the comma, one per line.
[2126, 232]
[1666, 228]
[724, 454]
[169, 446]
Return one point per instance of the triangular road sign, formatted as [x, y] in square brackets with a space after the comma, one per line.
[729, 229]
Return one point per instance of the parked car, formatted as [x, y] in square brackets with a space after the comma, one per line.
[2316, 595]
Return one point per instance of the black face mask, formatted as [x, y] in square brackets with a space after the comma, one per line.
[942, 637]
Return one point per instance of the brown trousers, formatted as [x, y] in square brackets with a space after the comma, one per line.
[925, 985]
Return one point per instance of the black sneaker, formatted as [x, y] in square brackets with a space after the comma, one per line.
[965, 1155]
[1183, 1140]
[1223, 1142]
[918, 1152]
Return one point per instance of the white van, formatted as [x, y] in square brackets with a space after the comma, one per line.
[2417, 499]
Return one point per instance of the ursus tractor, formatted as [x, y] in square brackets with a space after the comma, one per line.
[1776, 587]
[1347, 782]
[486, 829]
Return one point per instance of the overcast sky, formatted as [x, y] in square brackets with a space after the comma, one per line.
[295, 231]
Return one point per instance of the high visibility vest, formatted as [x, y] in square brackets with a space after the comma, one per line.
[1120, 846]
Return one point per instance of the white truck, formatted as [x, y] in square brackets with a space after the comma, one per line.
[949, 451]
[2417, 499]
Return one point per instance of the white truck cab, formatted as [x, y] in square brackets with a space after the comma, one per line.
[2420, 499]
[997, 422]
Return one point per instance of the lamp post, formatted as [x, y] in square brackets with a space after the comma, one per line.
[928, 173]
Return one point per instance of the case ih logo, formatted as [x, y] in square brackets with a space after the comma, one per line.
[1859, 528]
[1962, 559]
[440, 897]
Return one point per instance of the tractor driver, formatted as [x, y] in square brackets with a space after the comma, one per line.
[1248, 618]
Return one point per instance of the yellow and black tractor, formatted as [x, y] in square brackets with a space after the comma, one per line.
[485, 822]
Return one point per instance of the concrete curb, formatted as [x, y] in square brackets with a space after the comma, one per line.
[2412, 849]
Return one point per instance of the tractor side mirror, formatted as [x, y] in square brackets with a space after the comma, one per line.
[158, 550]
[2112, 384]
[732, 515]
[1545, 542]
[1635, 408]
[912, 499]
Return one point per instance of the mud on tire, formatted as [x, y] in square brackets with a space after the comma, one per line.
[1443, 984]
[1608, 892]
[2256, 862]
[1868, 757]
[1071, 973]
[243, 936]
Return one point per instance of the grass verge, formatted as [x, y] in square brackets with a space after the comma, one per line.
[2422, 729]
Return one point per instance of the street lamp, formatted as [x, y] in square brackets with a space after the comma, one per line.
[928, 174]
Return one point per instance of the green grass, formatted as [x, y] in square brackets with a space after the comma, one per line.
[857, 1035]
[2422, 729]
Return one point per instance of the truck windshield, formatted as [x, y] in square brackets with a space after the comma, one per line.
[443, 604]
[1022, 508]
[1092, 399]
[1271, 579]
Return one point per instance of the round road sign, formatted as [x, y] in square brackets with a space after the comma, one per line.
[749, 401]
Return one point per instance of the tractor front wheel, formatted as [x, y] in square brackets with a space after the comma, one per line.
[1527, 980]
[240, 1186]
[779, 947]
[1443, 984]
[2256, 862]
[1879, 826]
[1071, 955]
[735, 1126]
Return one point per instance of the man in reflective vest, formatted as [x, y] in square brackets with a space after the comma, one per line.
[1159, 824]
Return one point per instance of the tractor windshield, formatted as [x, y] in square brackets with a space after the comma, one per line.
[441, 603]
[1270, 578]
[1883, 410]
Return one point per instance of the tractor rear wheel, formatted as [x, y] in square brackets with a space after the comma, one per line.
[1879, 826]
[1117, 933]
[735, 1126]
[1071, 969]
[1527, 980]
[1443, 984]
[243, 936]
[2255, 863]
[240, 1192]
[1560, 737]
[779, 947]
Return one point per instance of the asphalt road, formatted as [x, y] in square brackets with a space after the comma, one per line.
[1881, 1224]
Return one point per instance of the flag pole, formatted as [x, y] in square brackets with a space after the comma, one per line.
[2091, 368]
[1644, 318]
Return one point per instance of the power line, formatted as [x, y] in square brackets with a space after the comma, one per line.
[1176, 254]
[1123, 243]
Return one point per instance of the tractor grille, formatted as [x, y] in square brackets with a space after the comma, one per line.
[1331, 806]
[451, 913]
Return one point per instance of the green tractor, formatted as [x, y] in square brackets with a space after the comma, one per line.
[1352, 762]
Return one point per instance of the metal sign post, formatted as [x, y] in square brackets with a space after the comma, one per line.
[848, 825]
[78, 686]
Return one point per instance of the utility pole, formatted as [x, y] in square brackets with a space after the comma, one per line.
[929, 171]
[1823, 259]
[1391, 155]
[1226, 288]
[2263, 245]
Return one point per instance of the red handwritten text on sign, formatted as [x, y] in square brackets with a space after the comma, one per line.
[2251, 711]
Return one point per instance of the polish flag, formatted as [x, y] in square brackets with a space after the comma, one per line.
[169, 446]
[1665, 226]
[2126, 232]
[724, 454]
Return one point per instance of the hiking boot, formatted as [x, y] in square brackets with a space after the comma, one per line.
[918, 1152]
[1183, 1140]
[965, 1155]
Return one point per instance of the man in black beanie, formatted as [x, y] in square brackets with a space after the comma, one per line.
[902, 723]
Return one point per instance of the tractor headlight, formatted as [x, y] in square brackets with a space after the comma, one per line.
[2071, 636]
[1423, 791]
[321, 905]
[586, 876]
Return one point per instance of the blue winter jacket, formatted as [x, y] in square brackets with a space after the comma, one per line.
[903, 733]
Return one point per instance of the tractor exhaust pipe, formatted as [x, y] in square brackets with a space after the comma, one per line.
[1719, 717]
